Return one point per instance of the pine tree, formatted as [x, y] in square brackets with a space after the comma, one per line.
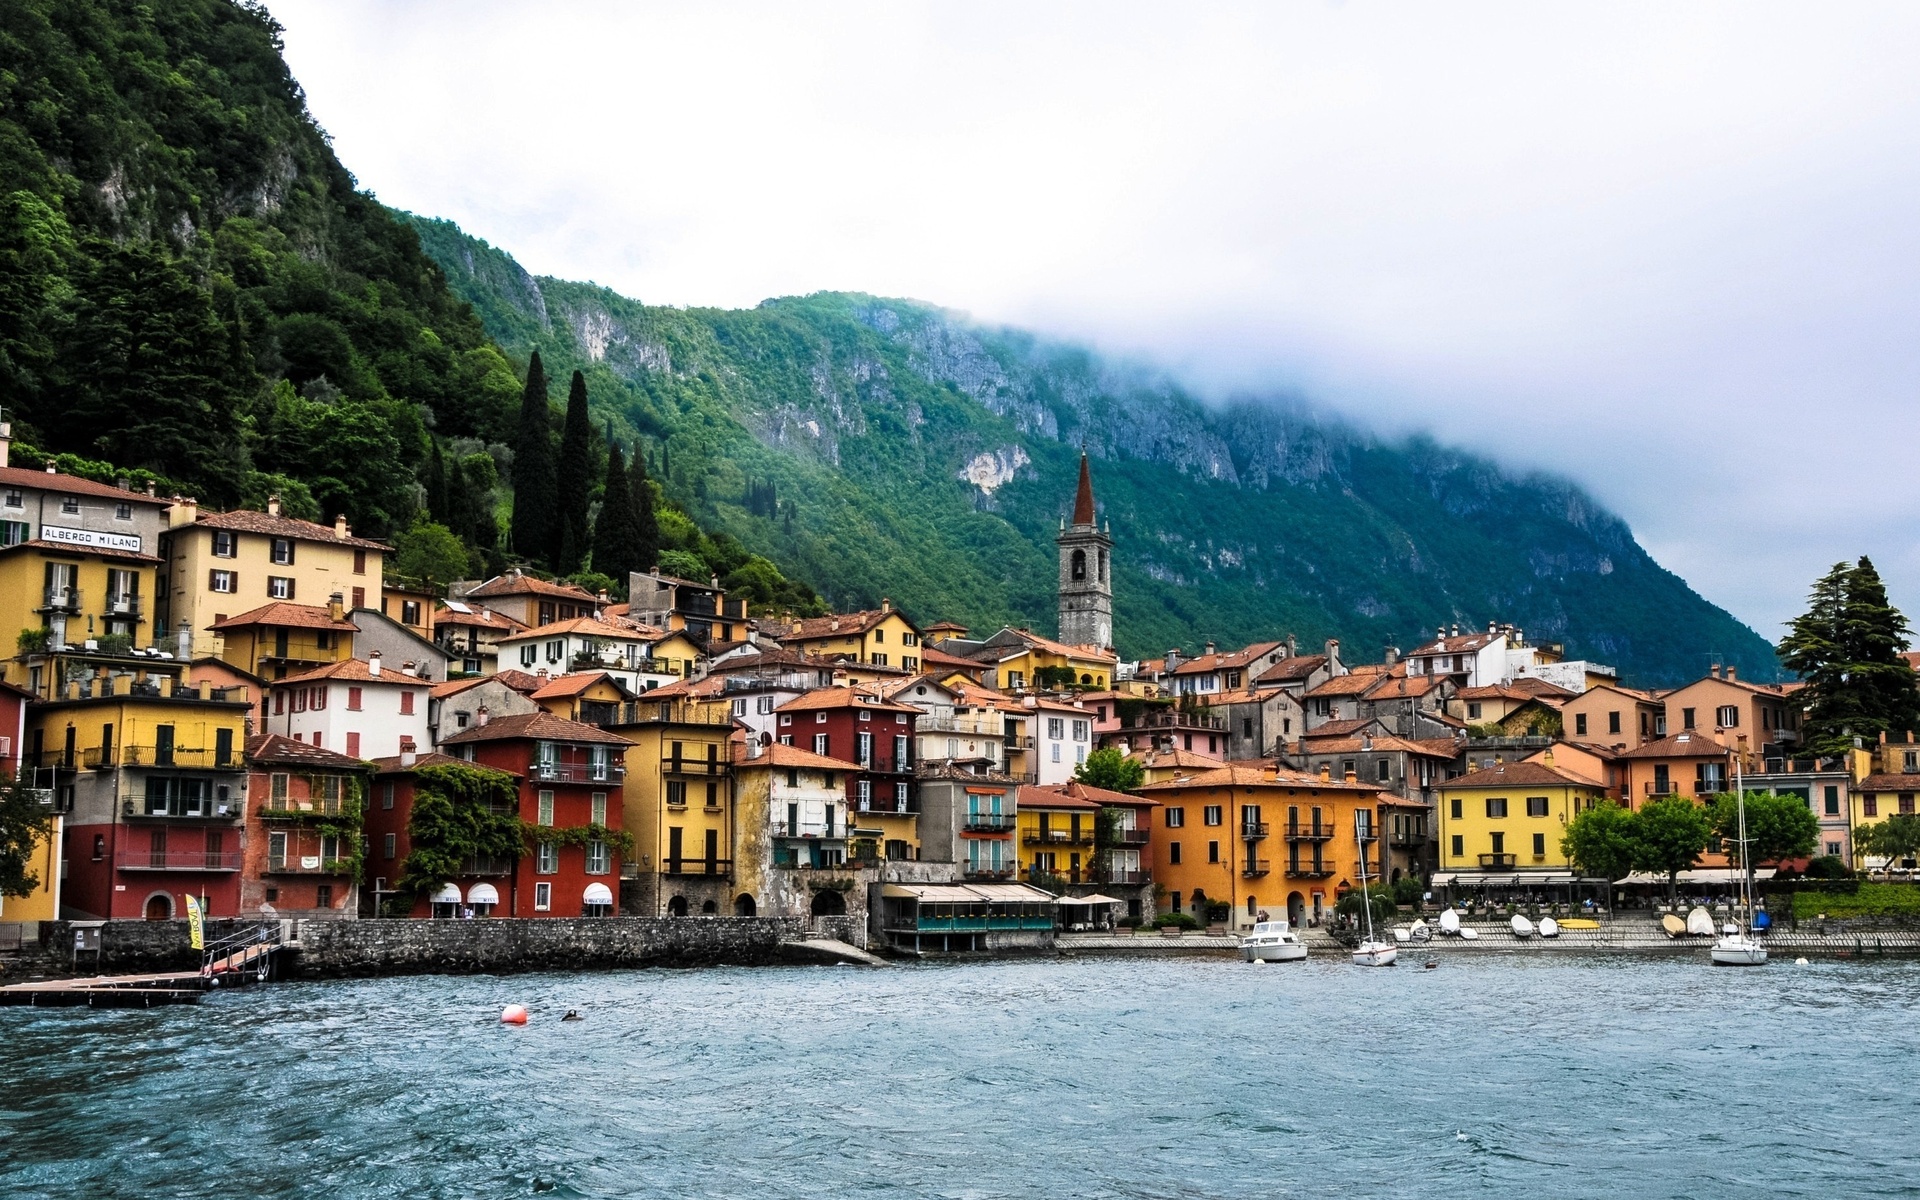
[534, 485]
[1846, 648]
[615, 549]
[575, 478]
[646, 526]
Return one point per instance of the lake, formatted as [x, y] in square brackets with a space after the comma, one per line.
[1496, 1075]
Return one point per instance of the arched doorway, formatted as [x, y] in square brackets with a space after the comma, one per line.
[677, 907]
[1296, 909]
[744, 906]
[159, 907]
[828, 903]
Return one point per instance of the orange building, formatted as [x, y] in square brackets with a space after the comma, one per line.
[1261, 840]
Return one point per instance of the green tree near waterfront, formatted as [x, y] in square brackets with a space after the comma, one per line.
[1668, 835]
[25, 825]
[1846, 647]
[1778, 827]
[1601, 841]
[1108, 768]
[1895, 838]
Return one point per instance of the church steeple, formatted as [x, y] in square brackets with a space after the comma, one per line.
[1086, 588]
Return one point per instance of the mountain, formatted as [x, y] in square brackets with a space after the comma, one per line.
[913, 453]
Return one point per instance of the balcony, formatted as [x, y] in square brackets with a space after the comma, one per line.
[1310, 870]
[1129, 878]
[808, 829]
[1253, 831]
[309, 864]
[1058, 837]
[576, 772]
[979, 822]
[1309, 833]
[1254, 868]
[133, 859]
[1497, 860]
[698, 867]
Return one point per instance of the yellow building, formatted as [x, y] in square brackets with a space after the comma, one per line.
[1506, 820]
[679, 806]
[278, 639]
[219, 564]
[881, 637]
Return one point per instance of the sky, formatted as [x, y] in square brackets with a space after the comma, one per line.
[1670, 251]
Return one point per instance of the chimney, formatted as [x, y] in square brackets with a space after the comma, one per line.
[337, 607]
[408, 754]
[480, 718]
[1732, 673]
[273, 506]
[373, 664]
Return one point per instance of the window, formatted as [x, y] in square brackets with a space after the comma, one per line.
[1496, 806]
[542, 897]
[1580, 724]
[223, 582]
[282, 552]
[390, 845]
[1213, 852]
[1539, 845]
[353, 699]
[1833, 800]
[279, 587]
[1173, 853]
[1727, 716]
[599, 861]
[547, 858]
[1176, 817]
[1536, 806]
[1459, 849]
[226, 544]
[545, 808]
[1211, 814]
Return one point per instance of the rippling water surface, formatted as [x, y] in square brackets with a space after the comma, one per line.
[1545, 1076]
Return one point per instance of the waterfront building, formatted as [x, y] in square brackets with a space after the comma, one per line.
[281, 638]
[303, 832]
[357, 707]
[882, 637]
[680, 804]
[470, 635]
[223, 563]
[479, 882]
[1260, 840]
[1502, 826]
[571, 778]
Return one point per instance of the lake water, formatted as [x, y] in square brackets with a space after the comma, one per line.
[1547, 1075]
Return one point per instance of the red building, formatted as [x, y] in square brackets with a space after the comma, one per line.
[297, 854]
[848, 724]
[569, 776]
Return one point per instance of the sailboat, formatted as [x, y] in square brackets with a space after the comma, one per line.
[1372, 950]
[1738, 948]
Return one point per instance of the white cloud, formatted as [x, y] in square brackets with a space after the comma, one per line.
[1669, 250]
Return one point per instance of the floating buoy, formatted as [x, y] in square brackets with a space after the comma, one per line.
[514, 1014]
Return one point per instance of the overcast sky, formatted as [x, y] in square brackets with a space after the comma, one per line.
[1671, 251]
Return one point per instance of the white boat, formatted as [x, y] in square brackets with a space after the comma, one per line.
[1273, 941]
[1549, 927]
[1522, 928]
[1372, 950]
[1738, 947]
[1449, 923]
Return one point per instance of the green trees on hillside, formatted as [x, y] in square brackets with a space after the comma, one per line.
[1847, 646]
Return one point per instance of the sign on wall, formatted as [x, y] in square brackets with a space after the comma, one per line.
[90, 537]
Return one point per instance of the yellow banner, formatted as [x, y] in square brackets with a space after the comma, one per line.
[195, 928]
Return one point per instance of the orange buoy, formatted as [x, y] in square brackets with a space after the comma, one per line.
[514, 1014]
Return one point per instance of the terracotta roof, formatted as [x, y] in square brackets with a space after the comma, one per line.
[283, 614]
[356, 670]
[102, 551]
[277, 748]
[842, 697]
[541, 726]
[477, 615]
[1202, 664]
[779, 755]
[248, 521]
[575, 683]
[591, 627]
[50, 481]
[833, 625]
[1298, 667]
[391, 766]
[1083, 513]
[1689, 744]
[514, 583]
[1517, 774]
[1889, 783]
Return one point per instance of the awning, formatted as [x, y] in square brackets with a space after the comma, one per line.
[597, 893]
[483, 893]
[449, 893]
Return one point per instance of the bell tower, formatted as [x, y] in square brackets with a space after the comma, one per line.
[1086, 582]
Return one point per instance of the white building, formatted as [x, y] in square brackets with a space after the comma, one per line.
[356, 708]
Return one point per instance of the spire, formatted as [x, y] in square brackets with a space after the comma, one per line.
[1083, 499]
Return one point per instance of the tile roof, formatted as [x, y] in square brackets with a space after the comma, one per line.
[52, 481]
[515, 583]
[280, 749]
[1688, 744]
[791, 757]
[1517, 774]
[842, 697]
[357, 671]
[1204, 663]
[246, 520]
[293, 616]
[541, 726]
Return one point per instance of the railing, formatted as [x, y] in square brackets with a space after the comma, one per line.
[135, 859]
[698, 866]
[1310, 870]
[1256, 867]
[291, 865]
[566, 772]
[1126, 878]
[979, 822]
[1250, 830]
[1496, 860]
[1309, 833]
[807, 829]
[1058, 837]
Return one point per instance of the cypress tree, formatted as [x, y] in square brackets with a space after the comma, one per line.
[615, 552]
[1846, 647]
[534, 484]
[575, 477]
[646, 526]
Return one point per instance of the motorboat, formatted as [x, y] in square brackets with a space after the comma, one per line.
[1273, 941]
[1372, 951]
[1737, 947]
[1522, 928]
[1449, 923]
[1549, 928]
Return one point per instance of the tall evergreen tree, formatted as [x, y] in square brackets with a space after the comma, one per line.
[1846, 648]
[535, 487]
[616, 550]
[575, 477]
[646, 526]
